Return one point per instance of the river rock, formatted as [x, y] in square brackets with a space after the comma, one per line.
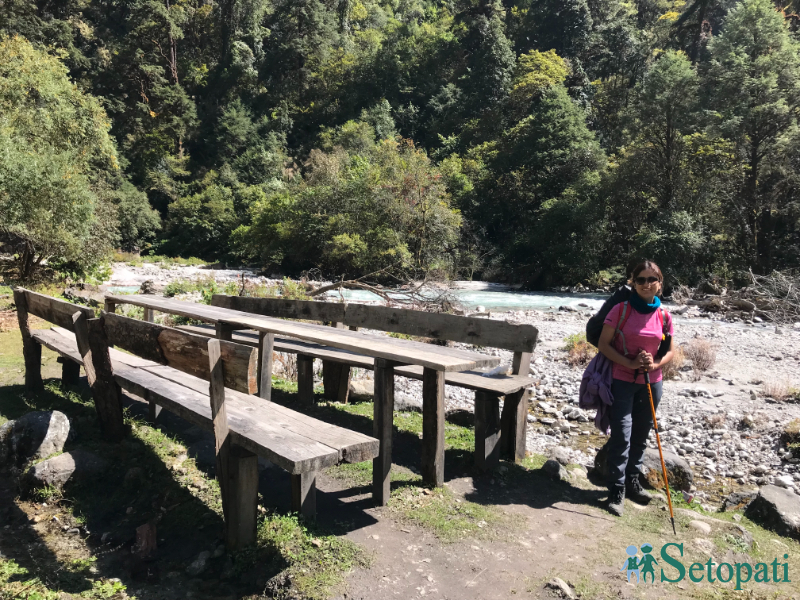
[34, 436]
[560, 454]
[362, 388]
[555, 470]
[199, 564]
[738, 500]
[700, 526]
[70, 466]
[679, 472]
[777, 509]
[5, 444]
[407, 402]
[148, 287]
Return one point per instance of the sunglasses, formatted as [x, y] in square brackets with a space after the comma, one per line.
[644, 280]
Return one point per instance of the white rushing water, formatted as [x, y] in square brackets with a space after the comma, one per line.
[501, 300]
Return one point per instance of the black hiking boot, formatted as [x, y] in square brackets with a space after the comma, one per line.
[616, 500]
[635, 491]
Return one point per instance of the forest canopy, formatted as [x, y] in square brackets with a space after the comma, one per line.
[533, 141]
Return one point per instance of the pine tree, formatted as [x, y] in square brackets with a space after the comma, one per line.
[755, 86]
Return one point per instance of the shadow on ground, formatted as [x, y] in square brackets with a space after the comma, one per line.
[149, 482]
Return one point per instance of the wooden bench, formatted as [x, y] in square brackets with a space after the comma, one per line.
[209, 383]
[495, 435]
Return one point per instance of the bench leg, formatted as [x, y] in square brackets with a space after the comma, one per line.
[242, 491]
[224, 332]
[266, 345]
[149, 315]
[70, 372]
[513, 426]
[304, 494]
[331, 373]
[344, 384]
[487, 430]
[105, 390]
[31, 351]
[433, 427]
[305, 379]
[383, 414]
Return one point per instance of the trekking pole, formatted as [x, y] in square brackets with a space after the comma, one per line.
[660, 451]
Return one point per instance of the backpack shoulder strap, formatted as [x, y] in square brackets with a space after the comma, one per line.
[623, 318]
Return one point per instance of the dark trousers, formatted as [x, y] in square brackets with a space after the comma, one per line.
[631, 421]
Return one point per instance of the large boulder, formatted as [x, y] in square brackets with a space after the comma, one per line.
[33, 436]
[5, 444]
[777, 509]
[678, 470]
[407, 402]
[738, 500]
[362, 388]
[70, 466]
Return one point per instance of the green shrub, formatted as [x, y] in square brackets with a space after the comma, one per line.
[579, 351]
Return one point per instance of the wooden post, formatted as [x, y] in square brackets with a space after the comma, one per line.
[487, 430]
[305, 379]
[224, 332]
[513, 439]
[304, 494]
[383, 415]
[331, 373]
[70, 371]
[106, 391]
[344, 384]
[79, 322]
[31, 351]
[513, 425]
[219, 422]
[241, 527]
[433, 427]
[149, 315]
[237, 469]
[266, 344]
[110, 306]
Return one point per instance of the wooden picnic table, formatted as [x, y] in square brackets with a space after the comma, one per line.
[388, 353]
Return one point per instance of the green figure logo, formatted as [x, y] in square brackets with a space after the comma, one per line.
[646, 564]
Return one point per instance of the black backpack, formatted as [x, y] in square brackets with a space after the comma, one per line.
[594, 327]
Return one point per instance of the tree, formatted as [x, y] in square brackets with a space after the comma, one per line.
[538, 160]
[363, 206]
[755, 86]
[57, 162]
[664, 112]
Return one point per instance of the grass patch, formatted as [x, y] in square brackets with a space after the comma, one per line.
[446, 516]
[533, 462]
[317, 561]
[18, 583]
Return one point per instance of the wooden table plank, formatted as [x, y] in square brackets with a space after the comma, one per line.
[473, 380]
[439, 358]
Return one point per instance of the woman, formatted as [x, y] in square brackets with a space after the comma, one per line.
[633, 351]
